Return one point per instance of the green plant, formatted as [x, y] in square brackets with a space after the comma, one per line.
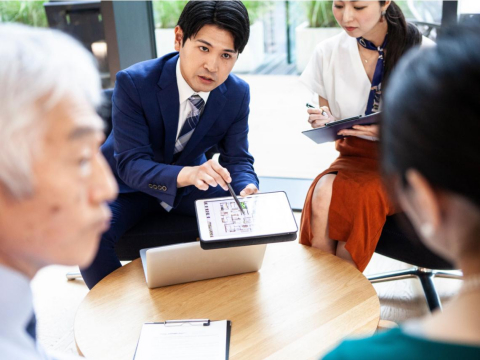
[320, 14]
[256, 9]
[166, 13]
[25, 12]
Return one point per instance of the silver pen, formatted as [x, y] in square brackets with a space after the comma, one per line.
[313, 107]
[235, 198]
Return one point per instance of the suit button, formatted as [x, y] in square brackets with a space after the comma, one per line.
[150, 186]
[163, 188]
[155, 187]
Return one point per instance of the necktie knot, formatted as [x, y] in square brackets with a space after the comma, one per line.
[197, 102]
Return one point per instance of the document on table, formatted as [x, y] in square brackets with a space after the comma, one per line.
[184, 340]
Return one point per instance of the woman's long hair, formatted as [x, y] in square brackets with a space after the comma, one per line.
[401, 37]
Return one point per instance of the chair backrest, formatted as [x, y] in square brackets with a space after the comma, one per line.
[400, 242]
[105, 110]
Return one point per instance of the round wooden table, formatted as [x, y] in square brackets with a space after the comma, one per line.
[299, 305]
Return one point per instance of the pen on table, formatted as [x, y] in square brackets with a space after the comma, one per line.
[313, 107]
[235, 198]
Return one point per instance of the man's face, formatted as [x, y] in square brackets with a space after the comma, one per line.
[64, 218]
[207, 58]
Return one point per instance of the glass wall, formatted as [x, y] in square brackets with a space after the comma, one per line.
[263, 31]
[427, 15]
[283, 33]
[80, 19]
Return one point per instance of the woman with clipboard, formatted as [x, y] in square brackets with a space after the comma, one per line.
[346, 205]
[433, 172]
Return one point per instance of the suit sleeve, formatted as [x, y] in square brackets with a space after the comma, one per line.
[233, 148]
[132, 147]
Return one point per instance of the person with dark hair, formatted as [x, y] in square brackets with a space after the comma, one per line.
[346, 206]
[167, 113]
[431, 166]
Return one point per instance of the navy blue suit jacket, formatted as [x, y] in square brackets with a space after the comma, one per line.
[145, 108]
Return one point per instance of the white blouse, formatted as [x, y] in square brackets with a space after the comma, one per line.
[336, 73]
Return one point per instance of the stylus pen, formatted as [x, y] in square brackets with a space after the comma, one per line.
[313, 107]
[235, 198]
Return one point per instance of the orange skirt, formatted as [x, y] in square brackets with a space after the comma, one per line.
[359, 204]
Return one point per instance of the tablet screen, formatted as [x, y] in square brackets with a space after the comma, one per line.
[266, 214]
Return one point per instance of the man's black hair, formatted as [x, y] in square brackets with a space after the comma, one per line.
[231, 16]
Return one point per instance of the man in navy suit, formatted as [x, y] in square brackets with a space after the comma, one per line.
[167, 113]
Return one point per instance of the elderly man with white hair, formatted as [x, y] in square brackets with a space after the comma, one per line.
[54, 182]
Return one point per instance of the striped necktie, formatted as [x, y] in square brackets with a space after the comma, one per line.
[197, 104]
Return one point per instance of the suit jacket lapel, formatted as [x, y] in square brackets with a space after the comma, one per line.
[215, 103]
[168, 100]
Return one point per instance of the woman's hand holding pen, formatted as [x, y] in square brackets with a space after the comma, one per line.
[319, 117]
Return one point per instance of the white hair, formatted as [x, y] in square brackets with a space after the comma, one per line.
[38, 69]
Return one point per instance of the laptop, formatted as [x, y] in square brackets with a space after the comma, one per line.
[181, 263]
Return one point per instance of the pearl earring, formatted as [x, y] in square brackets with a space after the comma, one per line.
[426, 230]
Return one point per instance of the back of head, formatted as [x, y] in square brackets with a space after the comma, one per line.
[230, 15]
[38, 68]
[430, 118]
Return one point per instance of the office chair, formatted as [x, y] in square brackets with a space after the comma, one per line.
[399, 241]
[157, 229]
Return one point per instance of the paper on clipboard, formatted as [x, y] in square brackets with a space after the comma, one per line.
[183, 340]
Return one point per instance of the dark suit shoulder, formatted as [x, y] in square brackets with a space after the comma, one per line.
[234, 83]
[149, 70]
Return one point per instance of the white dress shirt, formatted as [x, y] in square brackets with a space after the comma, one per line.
[336, 73]
[16, 310]
[184, 92]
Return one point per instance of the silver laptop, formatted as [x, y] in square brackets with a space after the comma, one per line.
[181, 263]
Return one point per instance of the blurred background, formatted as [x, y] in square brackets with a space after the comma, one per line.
[283, 37]
[283, 33]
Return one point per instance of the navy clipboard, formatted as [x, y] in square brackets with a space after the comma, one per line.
[329, 132]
